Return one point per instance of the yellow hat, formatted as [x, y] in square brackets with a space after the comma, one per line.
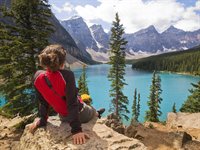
[85, 97]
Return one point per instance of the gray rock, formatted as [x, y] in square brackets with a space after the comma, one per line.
[3, 136]
[131, 131]
[183, 120]
[192, 145]
[181, 138]
[57, 136]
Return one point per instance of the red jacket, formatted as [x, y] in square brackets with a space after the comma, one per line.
[63, 82]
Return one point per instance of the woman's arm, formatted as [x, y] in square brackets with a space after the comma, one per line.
[72, 102]
[73, 108]
[43, 109]
[43, 113]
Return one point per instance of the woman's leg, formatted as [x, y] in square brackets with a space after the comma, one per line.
[87, 113]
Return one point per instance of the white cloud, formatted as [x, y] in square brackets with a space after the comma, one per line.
[66, 11]
[137, 14]
[91, 13]
[190, 19]
[58, 9]
[67, 7]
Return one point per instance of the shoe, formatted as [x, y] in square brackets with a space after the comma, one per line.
[100, 112]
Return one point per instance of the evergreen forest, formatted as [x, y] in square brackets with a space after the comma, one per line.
[187, 61]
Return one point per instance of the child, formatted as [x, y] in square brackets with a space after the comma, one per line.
[56, 87]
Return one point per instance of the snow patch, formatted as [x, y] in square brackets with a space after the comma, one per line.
[75, 17]
[183, 42]
[104, 57]
[166, 50]
[98, 44]
[137, 55]
[184, 48]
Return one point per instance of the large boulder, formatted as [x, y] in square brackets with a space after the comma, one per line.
[57, 136]
[183, 120]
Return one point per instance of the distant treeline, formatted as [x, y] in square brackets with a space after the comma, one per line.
[187, 61]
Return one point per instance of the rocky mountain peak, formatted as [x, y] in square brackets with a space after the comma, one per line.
[101, 38]
[149, 30]
[76, 21]
[172, 29]
[76, 17]
[80, 32]
[97, 27]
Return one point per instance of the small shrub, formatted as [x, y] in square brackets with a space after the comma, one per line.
[151, 126]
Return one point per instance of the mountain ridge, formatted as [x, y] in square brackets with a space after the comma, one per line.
[147, 39]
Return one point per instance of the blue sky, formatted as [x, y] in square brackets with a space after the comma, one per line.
[134, 14]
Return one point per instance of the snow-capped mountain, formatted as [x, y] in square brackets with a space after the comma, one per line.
[177, 39]
[172, 39]
[80, 32]
[147, 40]
[100, 37]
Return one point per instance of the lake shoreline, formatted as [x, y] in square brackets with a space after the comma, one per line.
[180, 73]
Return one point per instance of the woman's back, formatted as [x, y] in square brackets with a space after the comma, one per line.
[52, 95]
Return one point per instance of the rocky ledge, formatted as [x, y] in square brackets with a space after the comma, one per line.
[184, 120]
[181, 132]
[57, 136]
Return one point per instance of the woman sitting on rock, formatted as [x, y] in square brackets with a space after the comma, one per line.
[56, 87]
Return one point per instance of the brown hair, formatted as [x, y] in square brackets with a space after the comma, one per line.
[52, 57]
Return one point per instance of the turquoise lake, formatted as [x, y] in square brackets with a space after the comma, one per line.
[175, 88]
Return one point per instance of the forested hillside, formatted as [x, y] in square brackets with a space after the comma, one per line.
[187, 61]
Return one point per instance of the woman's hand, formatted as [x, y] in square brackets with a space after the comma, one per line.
[80, 138]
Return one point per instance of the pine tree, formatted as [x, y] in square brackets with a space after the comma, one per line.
[174, 108]
[134, 107]
[157, 95]
[82, 83]
[192, 104]
[138, 106]
[154, 99]
[23, 38]
[117, 70]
